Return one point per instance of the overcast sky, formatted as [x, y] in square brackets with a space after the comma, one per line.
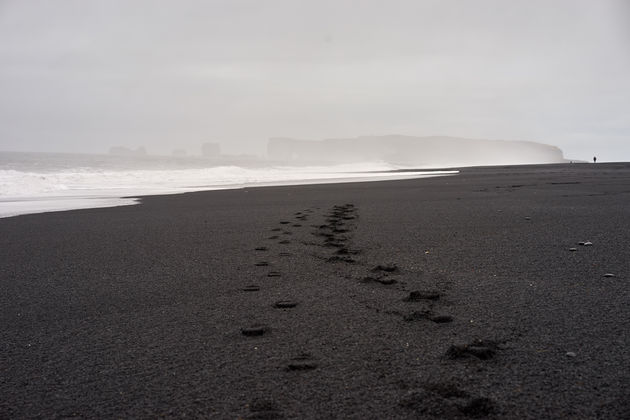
[85, 75]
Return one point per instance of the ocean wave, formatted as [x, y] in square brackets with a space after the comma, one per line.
[14, 183]
[24, 192]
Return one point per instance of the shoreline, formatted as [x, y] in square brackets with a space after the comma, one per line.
[444, 297]
[98, 198]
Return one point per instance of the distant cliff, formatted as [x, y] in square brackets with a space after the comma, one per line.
[412, 151]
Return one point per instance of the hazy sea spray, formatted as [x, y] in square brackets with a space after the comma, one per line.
[52, 182]
[85, 180]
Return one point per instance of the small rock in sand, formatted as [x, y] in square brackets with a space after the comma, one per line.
[572, 249]
[609, 275]
[571, 354]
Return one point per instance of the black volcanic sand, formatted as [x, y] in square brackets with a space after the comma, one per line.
[451, 297]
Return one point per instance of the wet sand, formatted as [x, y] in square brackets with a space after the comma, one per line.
[454, 297]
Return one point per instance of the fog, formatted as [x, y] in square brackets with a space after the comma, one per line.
[83, 76]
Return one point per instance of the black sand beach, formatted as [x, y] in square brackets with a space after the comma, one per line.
[451, 297]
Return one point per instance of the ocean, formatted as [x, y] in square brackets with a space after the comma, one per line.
[43, 182]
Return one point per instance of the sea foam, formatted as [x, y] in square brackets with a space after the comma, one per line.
[30, 191]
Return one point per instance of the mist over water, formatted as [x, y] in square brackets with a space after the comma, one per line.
[414, 152]
[31, 182]
[84, 76]
[217, 79]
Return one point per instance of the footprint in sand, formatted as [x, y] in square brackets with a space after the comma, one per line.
[446, 401]
[427, 315]
[480, 349]
[254, 331]
[387, 268]
[303, 362]
[418, 295]
[346, 251]
[441, 319]
[264, 409]
[416, 316]
[285, 304]
[337, 258]
[334, 239]
[387, 281]
[325, 235]
[478, 407]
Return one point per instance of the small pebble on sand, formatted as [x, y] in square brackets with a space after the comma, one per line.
[609, 275]
[572, 249]
[571, 354]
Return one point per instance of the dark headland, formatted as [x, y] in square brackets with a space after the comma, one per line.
[465, 296]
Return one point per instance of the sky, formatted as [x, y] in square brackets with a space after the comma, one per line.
[85, 75]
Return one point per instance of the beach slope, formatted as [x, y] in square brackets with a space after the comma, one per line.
[501, 292]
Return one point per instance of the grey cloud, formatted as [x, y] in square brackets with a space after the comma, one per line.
[82, 75]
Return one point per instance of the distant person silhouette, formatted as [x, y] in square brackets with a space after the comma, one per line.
[594, 159]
